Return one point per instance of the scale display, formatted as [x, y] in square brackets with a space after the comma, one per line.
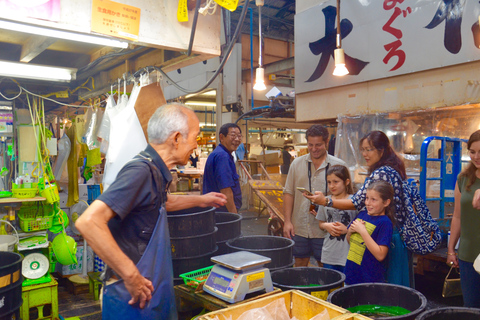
[237, 274]
[218, 282]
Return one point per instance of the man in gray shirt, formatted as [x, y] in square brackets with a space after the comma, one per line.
[309, 172]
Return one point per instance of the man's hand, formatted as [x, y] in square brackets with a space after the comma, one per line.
[288, 231]
[140, 289]
[318, 198]
[476, 200]
[213, 199]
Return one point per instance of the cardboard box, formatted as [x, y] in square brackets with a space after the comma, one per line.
[273, 169]
[299, 304]
[271, 158]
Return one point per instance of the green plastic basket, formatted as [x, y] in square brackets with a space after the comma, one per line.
[33, 217]
[194, 278]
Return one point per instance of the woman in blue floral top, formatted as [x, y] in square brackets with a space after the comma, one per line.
[383, 164]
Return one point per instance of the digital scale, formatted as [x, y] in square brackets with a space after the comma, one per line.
[236, 274]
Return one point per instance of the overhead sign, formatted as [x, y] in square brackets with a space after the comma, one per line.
[115, 19]
[39, 9]
[383, 39]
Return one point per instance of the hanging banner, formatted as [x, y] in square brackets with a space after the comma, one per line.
[383, 38]
[115, 19]
[39, 9]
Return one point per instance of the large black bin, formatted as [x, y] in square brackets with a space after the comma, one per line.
[279, 249]
[450, 313]
[191, 222]
[11, 293]
[229, 227]
[316, 281]
[383, 294]
[184, 265]
[185, 247]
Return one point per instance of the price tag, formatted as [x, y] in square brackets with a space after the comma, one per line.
[228, 4]
[182, 12]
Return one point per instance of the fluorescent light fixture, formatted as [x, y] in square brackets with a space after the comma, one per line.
[41, 31]
[200, 103]
[36, 72]
[259, 82]
[340, 68]
[210, 93]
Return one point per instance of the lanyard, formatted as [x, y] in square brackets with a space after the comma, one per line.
[310, 177]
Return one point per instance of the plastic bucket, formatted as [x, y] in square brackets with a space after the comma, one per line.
[191, 222]
[279, 249]
[184, 265]
[450, 313]
[383, 294]
[318, 282]
[65, 249]
[193, 246]
[11, 287]
[229, 225]
[7, 242]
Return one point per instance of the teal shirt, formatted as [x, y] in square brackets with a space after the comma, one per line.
[469, 247]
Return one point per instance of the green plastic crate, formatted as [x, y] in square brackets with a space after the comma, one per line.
[194, 278]
[33, 217]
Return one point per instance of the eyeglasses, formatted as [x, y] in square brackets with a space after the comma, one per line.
[367, 150]
[235, 136]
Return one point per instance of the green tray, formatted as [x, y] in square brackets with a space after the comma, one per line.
[194, 278]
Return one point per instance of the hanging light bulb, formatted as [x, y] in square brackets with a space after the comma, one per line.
[339, 54]
[260, 72]
[259, 80]
[340, 68]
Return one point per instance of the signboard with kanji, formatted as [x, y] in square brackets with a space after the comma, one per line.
[115, 19]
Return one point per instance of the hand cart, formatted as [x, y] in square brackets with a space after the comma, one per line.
[270, 192]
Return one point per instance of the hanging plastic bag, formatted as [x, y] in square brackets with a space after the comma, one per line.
[90, 136]
[64, 147]
[126, 139]
[104, 129]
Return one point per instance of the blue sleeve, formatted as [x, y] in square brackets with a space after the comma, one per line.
[385, 231]
[223, 173]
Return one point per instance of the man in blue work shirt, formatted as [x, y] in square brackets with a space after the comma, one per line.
[220, 174]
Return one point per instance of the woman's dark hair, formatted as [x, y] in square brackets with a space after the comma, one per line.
[379, 141]
[342, 173]
[386, 192]
[470, 171]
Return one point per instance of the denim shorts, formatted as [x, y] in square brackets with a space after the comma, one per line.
[306, 247]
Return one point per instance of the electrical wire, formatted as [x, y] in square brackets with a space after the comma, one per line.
[222, 63]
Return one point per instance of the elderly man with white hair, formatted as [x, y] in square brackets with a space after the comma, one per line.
[127, 225]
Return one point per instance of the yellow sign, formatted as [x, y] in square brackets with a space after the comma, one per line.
[115, 19]
[182, 11]
[255, 276]
[320, 294]
[228, 4]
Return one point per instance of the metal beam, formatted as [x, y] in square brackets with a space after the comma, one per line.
[34, 46]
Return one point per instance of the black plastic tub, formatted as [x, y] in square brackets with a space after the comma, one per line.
[284, 267]
[191, 222]
[184, 265]
[11, 294]
[186, 247]
[229, 225]
[450, 313]
[319, 282]
[279, 249]
[383, 294]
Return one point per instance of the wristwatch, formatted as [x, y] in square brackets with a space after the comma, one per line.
[329, 202]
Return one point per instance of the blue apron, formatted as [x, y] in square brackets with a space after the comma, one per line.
[155, 265]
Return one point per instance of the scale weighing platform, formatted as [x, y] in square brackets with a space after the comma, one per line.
[236, 274]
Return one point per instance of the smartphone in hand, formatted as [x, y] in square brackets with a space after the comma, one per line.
[303, 190]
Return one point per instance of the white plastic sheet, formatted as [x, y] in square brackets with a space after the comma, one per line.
[64, 147]
[126, 139]
[104, 129]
